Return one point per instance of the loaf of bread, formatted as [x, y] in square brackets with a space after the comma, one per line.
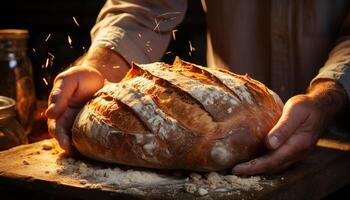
[180, 116]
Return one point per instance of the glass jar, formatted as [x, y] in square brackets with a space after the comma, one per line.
[16, 79]
[11, 132]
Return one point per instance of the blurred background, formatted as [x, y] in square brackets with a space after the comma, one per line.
[51, 22]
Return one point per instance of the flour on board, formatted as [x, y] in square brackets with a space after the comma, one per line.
[216, 182]
[194, 183]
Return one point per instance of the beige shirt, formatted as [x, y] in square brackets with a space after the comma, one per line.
[282, 43]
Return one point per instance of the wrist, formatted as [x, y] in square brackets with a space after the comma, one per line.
[329, 96]
[109, 63]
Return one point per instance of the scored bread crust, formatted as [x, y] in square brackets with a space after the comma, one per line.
[180, 116]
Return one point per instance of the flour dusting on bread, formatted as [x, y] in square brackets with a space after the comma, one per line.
[180, 116]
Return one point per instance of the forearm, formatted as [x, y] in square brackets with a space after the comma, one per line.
[329, 95]
[109, 63]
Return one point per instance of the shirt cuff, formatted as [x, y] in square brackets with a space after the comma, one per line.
[116, 39]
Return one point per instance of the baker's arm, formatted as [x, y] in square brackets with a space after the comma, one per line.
[138, 30]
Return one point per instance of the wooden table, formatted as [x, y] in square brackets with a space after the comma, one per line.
[322, 172]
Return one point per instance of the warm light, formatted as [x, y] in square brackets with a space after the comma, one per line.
[334, 144]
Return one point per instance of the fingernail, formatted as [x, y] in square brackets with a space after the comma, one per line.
[273, 141]
[238, 168]
[235, 170]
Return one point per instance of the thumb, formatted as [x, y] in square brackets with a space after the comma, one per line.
[60, 96]
[292, 117]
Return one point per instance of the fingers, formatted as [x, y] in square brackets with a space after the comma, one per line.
[287, 154]
[295, 133]
[59, 133]
[60, 128]
[293, 116]
[73, 87]
[62, 91]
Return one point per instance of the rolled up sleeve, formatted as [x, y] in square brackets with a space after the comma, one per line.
[337, 66]
[138, 30]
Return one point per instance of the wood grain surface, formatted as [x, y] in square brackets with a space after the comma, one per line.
[320, 173]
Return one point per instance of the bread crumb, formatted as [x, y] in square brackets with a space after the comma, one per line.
[83, 181]
[190, 188]
[202, 191]
[25, 162]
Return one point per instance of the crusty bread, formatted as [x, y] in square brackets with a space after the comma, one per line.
[179, 116]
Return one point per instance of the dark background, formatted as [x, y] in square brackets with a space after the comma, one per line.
[55, 17]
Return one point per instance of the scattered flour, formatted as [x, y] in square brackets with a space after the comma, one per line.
[213, 181]
[197, 184]
[106, 176]
[202, 191]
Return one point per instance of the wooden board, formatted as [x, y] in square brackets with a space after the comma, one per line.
[322, 172]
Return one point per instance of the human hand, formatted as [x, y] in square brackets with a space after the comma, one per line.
[73, 87]
[303, 119]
